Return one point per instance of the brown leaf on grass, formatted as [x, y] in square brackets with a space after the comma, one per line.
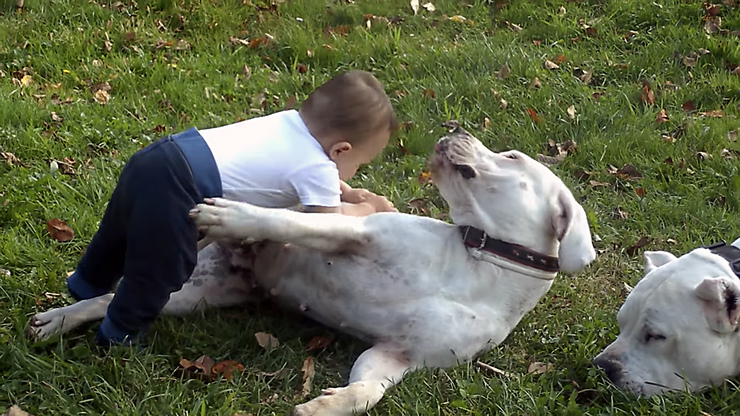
[503, 72]
[399, 93]
[100, 86]
[688, 106]
[662, 117]
[424, 178]
[628, 171]
[642, 242]
[47, 298]
[713, 113]
[582, 175]
[415, 6]
[641, 192]
[59, 230]
[596, 184]
[550, 64]
[729, 154]
[513, 26]
[486, 123]
[583, 75]
[429, 7]
[571, 111]
[15, 410]
[11, 159]
[341, 30]
[101, 96]
[200, 367]
[237, 41]
[536, 42]
[732, 135]
[711, 9]
[429, 93]
[540, 368]
[646, 93]
[319, 342]
[226, 369]
[308, 370]
[703, 155]
[591, 31]
[533, 114]
[301, 68]
[668, 138]
[619, 214]
[266, 341]
[56, 101]
[712, 24]
[536, 83]
[418, 206]
[264, 40]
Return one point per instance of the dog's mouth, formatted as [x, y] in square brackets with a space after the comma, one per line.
[444, 156]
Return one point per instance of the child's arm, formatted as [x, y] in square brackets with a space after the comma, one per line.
[360, 196]
[356, 210]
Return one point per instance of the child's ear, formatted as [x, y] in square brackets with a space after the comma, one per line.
[338, 148]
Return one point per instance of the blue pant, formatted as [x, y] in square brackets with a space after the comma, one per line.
[146, 235]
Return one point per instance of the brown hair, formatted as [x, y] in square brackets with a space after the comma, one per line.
[352, 105]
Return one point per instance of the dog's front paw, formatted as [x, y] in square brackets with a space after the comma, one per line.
[221, 218]
[44, 326]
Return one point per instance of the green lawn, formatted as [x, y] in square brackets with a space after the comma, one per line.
[166, 65]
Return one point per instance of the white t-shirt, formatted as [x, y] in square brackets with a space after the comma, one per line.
[273, 162]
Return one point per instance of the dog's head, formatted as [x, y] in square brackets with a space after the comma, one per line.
[678, 326]
[511, 197]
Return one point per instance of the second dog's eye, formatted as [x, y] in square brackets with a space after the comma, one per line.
[649, 337]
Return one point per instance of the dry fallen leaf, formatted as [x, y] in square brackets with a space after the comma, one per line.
[646, 94]
[595, 184]
[486, 123]
[540, 368]
[533, 114]
[266, 341]
[204, 363]
[642, 242]
[419, 207]
[415, 6]
[429, 93]
[732, 135]
[688, 106]
[628, 171]
[15, 410]
[458, 18]
[582, 175]
[551, 65]
[59, 230]
[101, 96]
[26, 80]
[429, 7]
[729, 154]
[703, 155]
[662, 117]
[425, 178]
[536, 83]
[319, 342]
[571, 111]
[13, 160]
[712, 24]
[308, 370]
[503, 72]
[713, 113]
[641, 192]
[226, 368]
[620, 214]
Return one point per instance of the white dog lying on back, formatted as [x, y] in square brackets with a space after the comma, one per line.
[679, 325]
[423, 292]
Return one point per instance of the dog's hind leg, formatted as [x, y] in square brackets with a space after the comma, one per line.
[43, 326]
[374, 372]
[222, 218]
[222, 278]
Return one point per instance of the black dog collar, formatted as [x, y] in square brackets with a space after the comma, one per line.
[729, 253]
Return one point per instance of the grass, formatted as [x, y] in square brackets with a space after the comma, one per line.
[171, 65]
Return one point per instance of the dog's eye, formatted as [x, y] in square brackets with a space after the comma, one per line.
[651, 337]
[510, 156]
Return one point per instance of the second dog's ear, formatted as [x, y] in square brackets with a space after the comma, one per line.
[655, 259]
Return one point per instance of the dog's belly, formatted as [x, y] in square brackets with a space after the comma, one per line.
[377, 301]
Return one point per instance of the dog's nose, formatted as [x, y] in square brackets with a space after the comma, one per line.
[441, 146]
[613, 369]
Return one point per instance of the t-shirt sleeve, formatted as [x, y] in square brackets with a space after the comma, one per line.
[317, 185]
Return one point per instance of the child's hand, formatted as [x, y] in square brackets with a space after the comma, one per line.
[356, 195]
[380, 203]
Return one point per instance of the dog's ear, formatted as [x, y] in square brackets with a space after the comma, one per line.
[720, 297]
[570, 226]
[655, 259]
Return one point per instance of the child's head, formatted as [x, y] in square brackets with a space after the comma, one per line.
[352, 118]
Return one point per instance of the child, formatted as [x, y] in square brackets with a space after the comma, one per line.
[276, 161]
